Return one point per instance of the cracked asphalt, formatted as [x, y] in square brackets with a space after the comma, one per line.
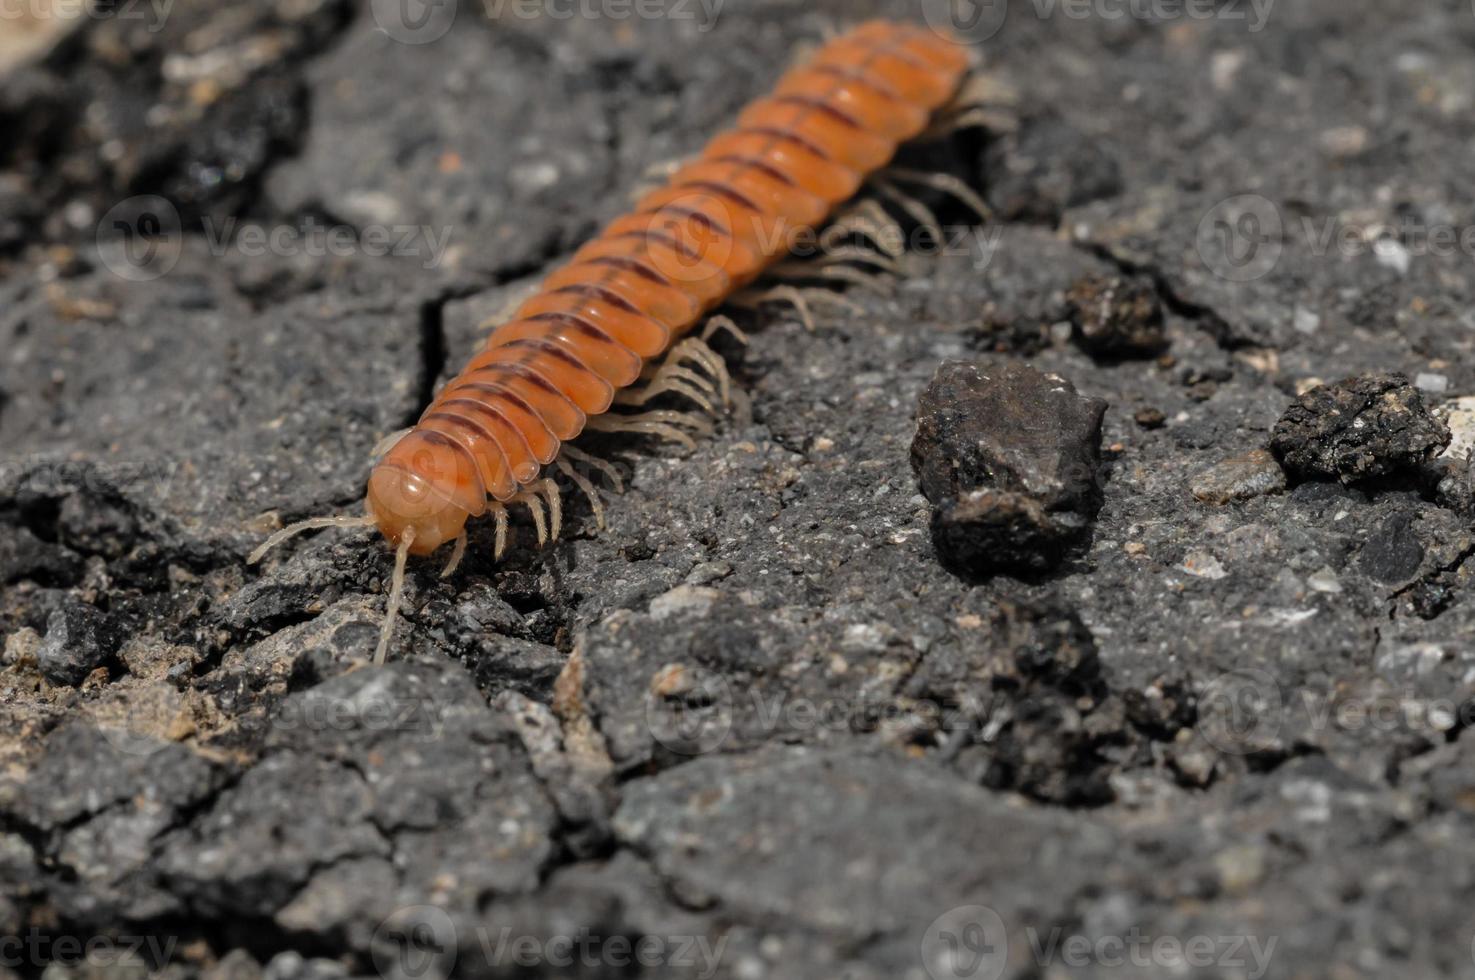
[754, 727]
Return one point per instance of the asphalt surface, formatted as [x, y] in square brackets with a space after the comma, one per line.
[766, 723]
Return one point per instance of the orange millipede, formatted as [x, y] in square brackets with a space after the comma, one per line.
[494, 432]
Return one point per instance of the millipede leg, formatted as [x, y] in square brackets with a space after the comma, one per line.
[663, 424]
[534, 504]
[457, 553]
[312, 523]
[789, 294]
[723, 324]
[947, 184]
[799, 299]
[801, 271]
[582, 482]
[661, 430]
[499, 514]
[594, 462]
[697, 351]
[396, 595]
[870, 220]
[554, 497]
[919, 212]
[984, 100]
[855, 253]
[664, 416]
[673, 378]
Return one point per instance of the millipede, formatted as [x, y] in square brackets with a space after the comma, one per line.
[617, 325]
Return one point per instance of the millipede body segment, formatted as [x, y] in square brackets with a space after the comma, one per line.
[633, 292]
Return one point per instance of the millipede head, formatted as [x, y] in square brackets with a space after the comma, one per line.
[426, 487]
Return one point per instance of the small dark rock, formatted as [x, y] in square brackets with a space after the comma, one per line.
[1003, 334]
[1393, 553]
[23, 555]
[1150, 418]
[1433, 597]
[1361, 428]
[1057, 721]
[1162, 710]
[97, 526]
[78, 640]
[1203, 383]
[1454, 481]
[1115, 318]
[1242, 477]
[1008, 456]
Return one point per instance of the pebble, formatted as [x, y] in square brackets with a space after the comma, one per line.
[1242, 477]
[1113, 317]
[1202, 564]
[683, 599]
[1460, 415]
[1008, 456]
[1150, 418]
[1361, 428]
[78, 640]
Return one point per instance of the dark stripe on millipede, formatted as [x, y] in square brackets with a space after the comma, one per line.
[452, 418]
[602, 293]
[758, 164]
[629, 265]
[441, 437]
[527, 371]
[552, 348]
[507, 394]
[693, 214]
[880, 87]
[820, 105]
[501, 391]
[722, 190]
[777, 133]
[661, 238]
[580, 324]
[492, 412]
